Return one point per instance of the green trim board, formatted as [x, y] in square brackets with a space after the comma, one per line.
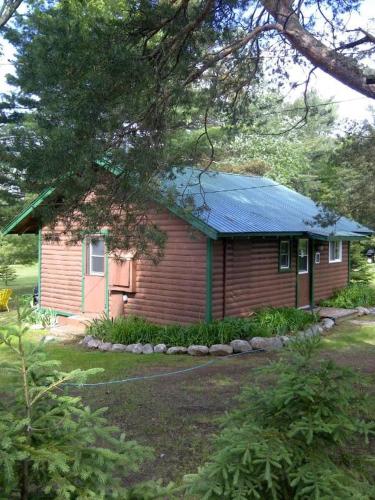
[57, 311]
[106, 265]
[40, 236]
[209, 269]
[83, 270]
[27, 210]
[349, 263]
[312, 272]
[297, 269]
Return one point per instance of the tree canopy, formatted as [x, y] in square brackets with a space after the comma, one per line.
[124, 82]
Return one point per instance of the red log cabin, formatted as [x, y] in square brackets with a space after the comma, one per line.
[256, 243]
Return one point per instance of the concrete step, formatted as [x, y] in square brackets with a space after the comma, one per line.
[77, 322]
[336, 313]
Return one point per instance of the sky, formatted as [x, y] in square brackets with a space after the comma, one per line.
[354, 107]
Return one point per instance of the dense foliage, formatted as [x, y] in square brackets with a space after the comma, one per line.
[354, 295]
[292, 435]
[123, 82]
[265, 323]
[51, 444]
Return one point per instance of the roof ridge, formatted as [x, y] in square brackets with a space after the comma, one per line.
[211, 171]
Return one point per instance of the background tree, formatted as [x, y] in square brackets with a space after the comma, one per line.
[7, 274]
[118, 82]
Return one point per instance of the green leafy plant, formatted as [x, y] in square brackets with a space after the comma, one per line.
[291, 436]
[267, 322]
[45, 317]
[51, 444]
[353, 295]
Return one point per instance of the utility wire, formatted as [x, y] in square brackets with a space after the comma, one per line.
[161, 375]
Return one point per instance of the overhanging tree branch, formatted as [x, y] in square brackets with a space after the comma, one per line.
[341, 67]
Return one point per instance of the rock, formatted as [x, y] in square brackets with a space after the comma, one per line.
[36, 326]
[105, 346]
[285, 339]
[93, 343]
[327, 323]
[148, 349]
[177, 350]
[118, 348]
[135, 348]
[241, 346]
[221, 350]
[198, 350]
[49, 338]
[362, 311]
[160, 348]
[86, 340]
[266, 343]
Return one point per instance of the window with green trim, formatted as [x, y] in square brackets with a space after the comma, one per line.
[284, 255]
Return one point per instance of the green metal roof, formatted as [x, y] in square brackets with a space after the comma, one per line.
[221, 204]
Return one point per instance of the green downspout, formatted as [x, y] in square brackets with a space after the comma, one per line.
[40, 267]
[209, 280]
[349, 263]
[83, 275]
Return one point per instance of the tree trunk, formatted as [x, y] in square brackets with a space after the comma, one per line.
[341, 67]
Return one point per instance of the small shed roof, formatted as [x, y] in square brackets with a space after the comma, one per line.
[223, 204]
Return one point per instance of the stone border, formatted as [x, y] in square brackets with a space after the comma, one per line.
[235, 347]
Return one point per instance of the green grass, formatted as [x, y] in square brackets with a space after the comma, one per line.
[177, 415]
[349, 336]
[27, 278]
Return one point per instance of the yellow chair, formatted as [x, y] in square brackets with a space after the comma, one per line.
[5, 295]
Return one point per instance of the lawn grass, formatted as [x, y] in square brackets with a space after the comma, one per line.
[177, 415]
[27, 278]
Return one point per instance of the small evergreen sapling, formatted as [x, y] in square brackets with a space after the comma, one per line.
[291, 438]
[7, 274]
[49, 441]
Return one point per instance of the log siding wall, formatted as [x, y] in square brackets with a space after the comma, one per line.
[248, 276]
[329, 277]
[174, 290]
[61, 273]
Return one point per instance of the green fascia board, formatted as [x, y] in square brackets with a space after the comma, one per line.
[27, 210]
[259, 234]
[193, 221]
[340, 238]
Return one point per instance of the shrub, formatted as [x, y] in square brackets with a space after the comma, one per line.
[291, 435]
[268, 322]
[353, 295]
[283, 320]
[7, 274]
[51, 444]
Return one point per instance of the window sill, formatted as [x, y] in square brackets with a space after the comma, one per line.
[335, 261]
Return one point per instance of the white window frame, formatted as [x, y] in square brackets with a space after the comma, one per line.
[91, 254]
[305, 271]
[339, 259]
[288, 266]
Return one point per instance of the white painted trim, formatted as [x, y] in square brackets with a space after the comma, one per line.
[333, 261]
[91, 254]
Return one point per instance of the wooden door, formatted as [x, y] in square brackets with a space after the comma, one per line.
[95, 276]
[304, 273]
